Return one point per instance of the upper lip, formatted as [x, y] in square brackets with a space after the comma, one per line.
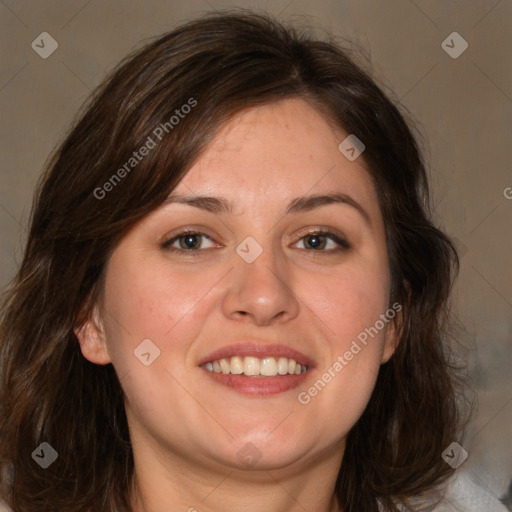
[257, 349]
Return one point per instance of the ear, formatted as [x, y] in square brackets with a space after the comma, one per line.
[92, 339]
[393, 333]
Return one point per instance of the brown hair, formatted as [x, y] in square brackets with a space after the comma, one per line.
[219, 65]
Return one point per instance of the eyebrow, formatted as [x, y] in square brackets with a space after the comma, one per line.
[220, 205]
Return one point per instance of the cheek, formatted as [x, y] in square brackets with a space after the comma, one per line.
[145, 300]
[142, 302]
[349, 302]
[150, 303]
[350, 306]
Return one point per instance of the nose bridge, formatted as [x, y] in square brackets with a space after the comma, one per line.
[260, 284]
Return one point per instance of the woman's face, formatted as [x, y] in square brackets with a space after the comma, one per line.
[260, 290]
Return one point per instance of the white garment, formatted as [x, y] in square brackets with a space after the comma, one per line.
[465, 494]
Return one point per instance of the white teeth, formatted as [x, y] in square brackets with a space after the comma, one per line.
[268, 367]
[254, 366]
[224, 366]
[251, 366]
[282, 366]
[237, 365]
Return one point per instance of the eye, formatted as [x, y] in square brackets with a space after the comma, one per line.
[191, 242]
[188, 241]
[319, 241]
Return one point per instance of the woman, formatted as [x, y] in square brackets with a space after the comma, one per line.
[232, 294]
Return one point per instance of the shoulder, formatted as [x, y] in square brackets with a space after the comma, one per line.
[4, 507]
[466, 494]
[462, 493]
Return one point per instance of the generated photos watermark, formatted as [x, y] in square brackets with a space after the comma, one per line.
[151, 142]
[356, 346]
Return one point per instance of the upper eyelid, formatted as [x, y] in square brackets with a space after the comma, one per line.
[321, 230]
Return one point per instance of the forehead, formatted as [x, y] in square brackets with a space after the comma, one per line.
[274, 152]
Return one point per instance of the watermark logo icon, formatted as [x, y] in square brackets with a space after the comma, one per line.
[249, 249]
[454, 45]
[44, 45]
[454, 455]
[147, 352]
[249, 455]
[351, 147]
[45, 455]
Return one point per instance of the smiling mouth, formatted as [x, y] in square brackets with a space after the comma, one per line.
[256, 367]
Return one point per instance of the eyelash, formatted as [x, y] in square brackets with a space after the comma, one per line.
[343, 245]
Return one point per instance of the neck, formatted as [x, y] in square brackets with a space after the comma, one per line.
[181, 485]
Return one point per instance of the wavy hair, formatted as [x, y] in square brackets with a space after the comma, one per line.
[225, 62]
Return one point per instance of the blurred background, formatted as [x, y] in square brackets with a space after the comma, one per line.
[447, 63]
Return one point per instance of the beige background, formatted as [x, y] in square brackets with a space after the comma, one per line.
[463, 105]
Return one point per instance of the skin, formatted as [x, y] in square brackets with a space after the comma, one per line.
[186, 429]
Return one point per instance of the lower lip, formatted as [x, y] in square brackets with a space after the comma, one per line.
[259, 386]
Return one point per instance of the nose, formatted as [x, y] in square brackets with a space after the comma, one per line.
[261, 292]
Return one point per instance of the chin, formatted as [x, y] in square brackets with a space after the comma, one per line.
[259, 450]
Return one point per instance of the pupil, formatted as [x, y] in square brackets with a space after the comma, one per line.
[315, 241]
[190, 241]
